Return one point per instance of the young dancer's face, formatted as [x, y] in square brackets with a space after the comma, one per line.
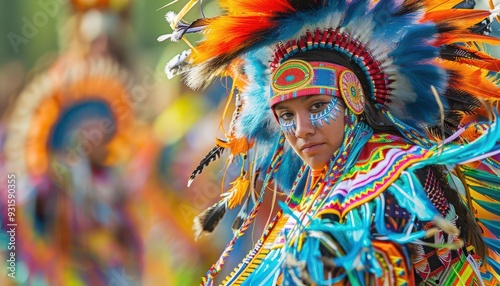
[313, 125]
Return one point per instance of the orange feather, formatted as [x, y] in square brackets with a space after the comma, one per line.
[488, 64]
[458, 18]
[463, 37]
[436, 5]
[257, 7]
[473, 80]
[233, 35]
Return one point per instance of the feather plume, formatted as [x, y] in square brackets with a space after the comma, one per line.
[213, 155]
[207, 221]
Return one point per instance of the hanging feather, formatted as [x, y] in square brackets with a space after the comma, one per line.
[213, 155]
[207, 221]
[242, 216]
[237, 192]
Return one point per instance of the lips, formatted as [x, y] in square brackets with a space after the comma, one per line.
[311, 147]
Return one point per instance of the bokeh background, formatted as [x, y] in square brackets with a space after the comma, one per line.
[101, 145]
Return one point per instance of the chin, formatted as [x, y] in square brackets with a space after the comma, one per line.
[317, 166]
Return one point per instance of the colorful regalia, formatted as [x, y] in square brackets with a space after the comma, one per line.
[411, 197]
[68, 138]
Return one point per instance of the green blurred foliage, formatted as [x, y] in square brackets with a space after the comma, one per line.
[30, 45]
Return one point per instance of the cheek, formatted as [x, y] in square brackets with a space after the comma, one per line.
[335, 132]
[292, 140]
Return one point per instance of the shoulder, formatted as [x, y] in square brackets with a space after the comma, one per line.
[380, 163]
[389, 149]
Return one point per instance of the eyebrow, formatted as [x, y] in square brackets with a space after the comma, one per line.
[304, 98]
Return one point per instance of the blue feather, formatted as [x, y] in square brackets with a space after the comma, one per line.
[494, 264]
[492, 225]
[355, 10]
[493, 244]
[489, 192]
[489, 206]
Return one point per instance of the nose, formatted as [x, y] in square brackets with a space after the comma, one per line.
[303, 126]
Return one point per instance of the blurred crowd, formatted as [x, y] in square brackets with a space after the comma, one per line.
[97, 146]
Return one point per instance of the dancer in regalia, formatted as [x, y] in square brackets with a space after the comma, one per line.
[357, 110]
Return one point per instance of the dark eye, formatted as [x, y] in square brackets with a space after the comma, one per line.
[286, 116]
[318, 106]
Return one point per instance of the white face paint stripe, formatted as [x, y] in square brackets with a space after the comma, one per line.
[332, 111]
[288, 127]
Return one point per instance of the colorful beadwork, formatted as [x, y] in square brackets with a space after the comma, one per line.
[352, 91]
[331, 111]
[297, 78]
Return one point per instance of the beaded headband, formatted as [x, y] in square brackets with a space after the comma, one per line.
[297, 78]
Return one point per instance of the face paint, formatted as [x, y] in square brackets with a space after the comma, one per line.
[331, 111]
[303, 121]
[288, 127]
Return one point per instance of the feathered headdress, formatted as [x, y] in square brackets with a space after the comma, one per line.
[419, 62]
[86, 102]
[401, 49]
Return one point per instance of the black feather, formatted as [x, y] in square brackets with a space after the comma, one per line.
[461, 100]
[455, 53]
[241, 217]
[213, 155]
[460, 104]
[206, 222]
